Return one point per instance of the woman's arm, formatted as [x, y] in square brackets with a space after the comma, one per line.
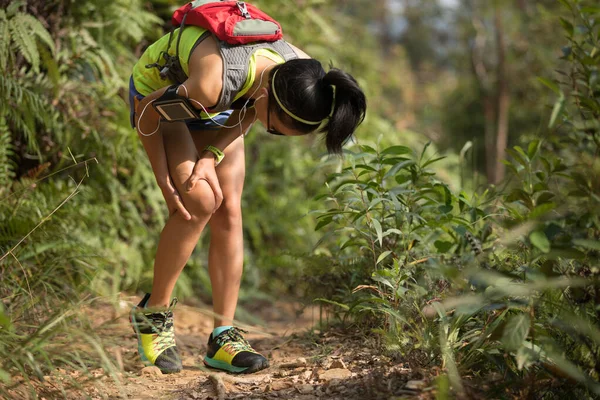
[147, 122]
[224, 138]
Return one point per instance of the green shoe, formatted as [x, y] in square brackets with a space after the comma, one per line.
[156, 336]
[229, 351]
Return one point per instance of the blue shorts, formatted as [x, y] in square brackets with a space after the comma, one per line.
[193, 124]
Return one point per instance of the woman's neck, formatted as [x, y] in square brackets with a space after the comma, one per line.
[261, 79]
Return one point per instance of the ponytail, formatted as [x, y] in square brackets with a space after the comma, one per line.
[308, 98]
[348, 109]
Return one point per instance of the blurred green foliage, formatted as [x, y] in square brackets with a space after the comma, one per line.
[409, 243]
[501, 281]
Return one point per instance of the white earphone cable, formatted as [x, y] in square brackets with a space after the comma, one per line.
[241, 116]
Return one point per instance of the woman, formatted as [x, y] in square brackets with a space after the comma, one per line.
[274, 83]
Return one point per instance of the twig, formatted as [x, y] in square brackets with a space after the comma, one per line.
[219, 386]
[33, 184]
[46, 218]
[24, 274]
[293, 364]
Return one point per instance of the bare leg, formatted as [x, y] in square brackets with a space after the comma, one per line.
[179, 237]
[226, 251]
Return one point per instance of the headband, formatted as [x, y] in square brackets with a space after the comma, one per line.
[291, 114]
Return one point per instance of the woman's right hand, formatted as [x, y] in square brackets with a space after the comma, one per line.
[173, 199]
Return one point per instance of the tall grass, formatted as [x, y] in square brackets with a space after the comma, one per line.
[46, 268]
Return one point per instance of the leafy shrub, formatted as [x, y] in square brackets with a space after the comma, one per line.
[506, 280]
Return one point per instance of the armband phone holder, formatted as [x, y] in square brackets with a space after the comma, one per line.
[173, 107]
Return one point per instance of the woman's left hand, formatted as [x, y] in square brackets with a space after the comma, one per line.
[205, 170]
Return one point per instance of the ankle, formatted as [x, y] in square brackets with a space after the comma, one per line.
[157, 302]
[220, 329]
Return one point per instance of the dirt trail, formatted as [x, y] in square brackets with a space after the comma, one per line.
[304, 363]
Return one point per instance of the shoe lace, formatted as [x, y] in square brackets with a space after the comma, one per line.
[234, 339]
[161, 321]
[163, 339]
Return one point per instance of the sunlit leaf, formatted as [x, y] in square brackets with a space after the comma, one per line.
[379, 230]
[539, 240]
[382, 256]
[516, 331]
[557, 110]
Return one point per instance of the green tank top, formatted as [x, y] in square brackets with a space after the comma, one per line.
[148, 80]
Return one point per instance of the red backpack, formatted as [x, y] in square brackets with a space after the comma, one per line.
[234, 22]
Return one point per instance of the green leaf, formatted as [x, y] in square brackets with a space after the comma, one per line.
[323, 222]
[522, 153]
[392, 230]
[567, 253]
[382, 256]
[590, 10]
[380, 277]
[433, 160]
[368, 149]
[587, 243]
[424, 150]
[377, 226]
[516, 331]
[533, 148]
[557, 110]
[539, 240]
[549, 84]
[4, 376]
[519, 194]
[5, 321]
[567, 26]
[401, 165]
[442, 246]
[567, 4]
[541, 210]
[541, 175]
[397, 150]
[335, 303]
[518, 156]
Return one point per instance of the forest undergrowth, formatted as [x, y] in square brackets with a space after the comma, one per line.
[500, 283]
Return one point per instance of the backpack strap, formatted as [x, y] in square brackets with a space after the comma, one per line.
[172, 68]
[236, 60]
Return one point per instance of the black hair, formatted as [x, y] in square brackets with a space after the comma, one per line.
[307, 91]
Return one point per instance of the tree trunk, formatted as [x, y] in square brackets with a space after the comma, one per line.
[487, 97]
[503, 99]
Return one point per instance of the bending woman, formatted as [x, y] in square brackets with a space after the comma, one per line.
[274, 83]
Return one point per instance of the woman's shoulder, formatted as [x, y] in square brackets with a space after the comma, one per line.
[300, 53]
[206, 71]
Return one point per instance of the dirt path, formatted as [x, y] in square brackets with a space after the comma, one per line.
[304, 363]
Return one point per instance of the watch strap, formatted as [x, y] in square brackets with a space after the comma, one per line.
[219, 155]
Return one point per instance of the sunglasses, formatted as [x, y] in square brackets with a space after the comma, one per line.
[272, 131]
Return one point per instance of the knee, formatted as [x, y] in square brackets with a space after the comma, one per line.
[228, 216]
[200, 202]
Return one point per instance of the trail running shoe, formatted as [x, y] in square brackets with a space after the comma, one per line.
[229, 351]
[156, 336]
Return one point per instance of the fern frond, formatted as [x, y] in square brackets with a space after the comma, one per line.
[37, 29]
[4, 41]
[13, 7]
[23, 40]
[7, 164]
[25, 106]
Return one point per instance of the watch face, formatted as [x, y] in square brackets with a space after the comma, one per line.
[175, 111]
